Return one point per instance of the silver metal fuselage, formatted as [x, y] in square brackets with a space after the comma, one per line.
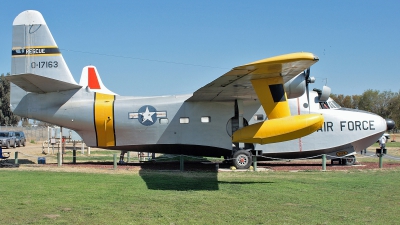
[343, 130]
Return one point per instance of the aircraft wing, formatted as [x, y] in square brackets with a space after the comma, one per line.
[236, 84]
[40, 84]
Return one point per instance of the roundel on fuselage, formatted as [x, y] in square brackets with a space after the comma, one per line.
[147, 115]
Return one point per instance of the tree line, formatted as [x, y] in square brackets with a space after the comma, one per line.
[386, 103]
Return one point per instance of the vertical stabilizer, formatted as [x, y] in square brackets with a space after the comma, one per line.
[34, 50]
[36, 61]
[91, 78]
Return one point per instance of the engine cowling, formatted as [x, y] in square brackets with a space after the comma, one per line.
[295, 87]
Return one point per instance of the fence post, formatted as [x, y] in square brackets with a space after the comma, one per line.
[83, 148]
[323, 162]
[115, 161]
[59, 163]
[74, 156]
[16, 158]
[254, 162]
[181, 163]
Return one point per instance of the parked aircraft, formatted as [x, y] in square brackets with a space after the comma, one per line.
[344, 131]
[227, 117]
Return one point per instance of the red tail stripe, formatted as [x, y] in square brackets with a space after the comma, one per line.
[93, 82]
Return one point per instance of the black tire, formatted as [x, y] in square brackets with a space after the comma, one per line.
[19, 144]
[242, 159]
[15, 144]
[8, 144]
[350, 160]
[23, 143]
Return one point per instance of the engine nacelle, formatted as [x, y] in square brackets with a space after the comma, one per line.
[295, 87]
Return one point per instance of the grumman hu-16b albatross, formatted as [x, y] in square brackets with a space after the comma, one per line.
[227, 117]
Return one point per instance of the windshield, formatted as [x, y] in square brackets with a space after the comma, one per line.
[3, 134]
[330, 104]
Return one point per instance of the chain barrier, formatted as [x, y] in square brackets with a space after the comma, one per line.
[34, 156]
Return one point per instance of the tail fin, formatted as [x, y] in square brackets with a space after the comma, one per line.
[37, 64]
[34, 50]
[91, 78]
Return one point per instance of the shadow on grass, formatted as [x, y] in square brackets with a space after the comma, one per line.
[21, 161]
[180, 181]
[168, 176]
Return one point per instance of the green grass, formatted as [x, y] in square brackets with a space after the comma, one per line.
[388, 144]
[147, 197]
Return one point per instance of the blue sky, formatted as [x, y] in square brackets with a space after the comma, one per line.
[145, 48]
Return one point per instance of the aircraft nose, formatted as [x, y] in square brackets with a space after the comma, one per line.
[389, 124]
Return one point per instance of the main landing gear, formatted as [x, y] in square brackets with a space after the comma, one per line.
[242, 159]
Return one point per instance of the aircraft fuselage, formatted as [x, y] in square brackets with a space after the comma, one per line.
[168, 124]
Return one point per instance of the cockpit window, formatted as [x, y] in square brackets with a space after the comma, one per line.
[330, 104]
[333, 104]
[323, 105]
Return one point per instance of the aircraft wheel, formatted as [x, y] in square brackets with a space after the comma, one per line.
[242, 159]
[350, 160]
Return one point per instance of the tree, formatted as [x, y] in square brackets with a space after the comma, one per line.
[7, 117]
[346, 101]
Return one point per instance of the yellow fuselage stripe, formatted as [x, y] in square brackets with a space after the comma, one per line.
[104, 119]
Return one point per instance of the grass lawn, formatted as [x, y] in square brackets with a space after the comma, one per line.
[148, 197]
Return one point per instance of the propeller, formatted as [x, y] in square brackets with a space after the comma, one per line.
[308, 80]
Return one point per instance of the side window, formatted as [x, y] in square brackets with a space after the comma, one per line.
[258, 117]
[205, 119]
[184, 120]
[164, 121]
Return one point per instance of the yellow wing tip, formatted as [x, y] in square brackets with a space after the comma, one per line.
[297, 56]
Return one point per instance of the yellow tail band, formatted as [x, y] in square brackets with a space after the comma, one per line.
[104, 119]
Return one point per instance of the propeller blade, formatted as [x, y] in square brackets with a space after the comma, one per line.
[308, 81]
[308, 98]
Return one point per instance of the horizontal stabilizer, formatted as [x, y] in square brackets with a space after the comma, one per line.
[40, 84]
